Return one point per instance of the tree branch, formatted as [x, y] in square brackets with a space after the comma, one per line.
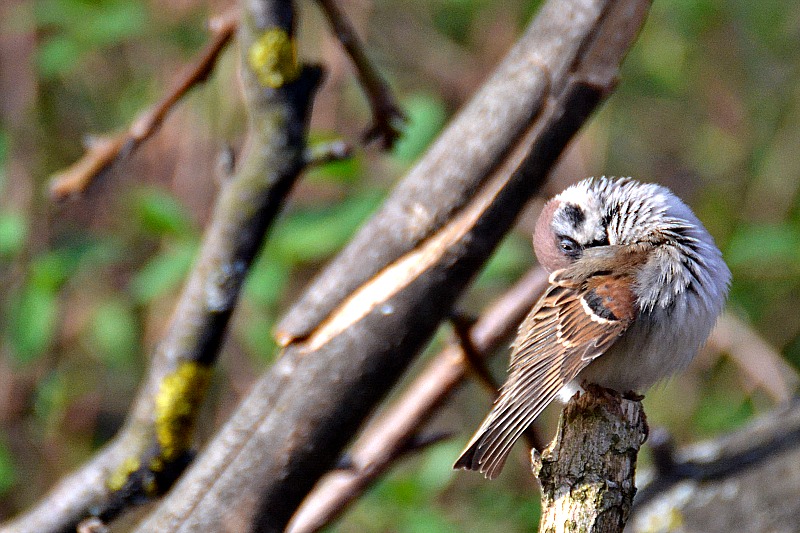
[587, 473]
[384, 441]
[387, 117]
[362, 322]
[695, 486]
[104, 151]
[761, 364]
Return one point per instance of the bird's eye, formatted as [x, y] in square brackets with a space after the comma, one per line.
[569, 246]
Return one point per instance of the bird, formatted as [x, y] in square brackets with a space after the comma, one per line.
[636, 284]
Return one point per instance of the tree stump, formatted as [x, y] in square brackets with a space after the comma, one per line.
[587, 472]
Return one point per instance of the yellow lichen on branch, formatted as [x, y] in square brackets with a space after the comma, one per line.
[177, 402]
[119, 477]
[273, 58]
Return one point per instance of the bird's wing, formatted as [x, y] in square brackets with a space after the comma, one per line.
[573, 323]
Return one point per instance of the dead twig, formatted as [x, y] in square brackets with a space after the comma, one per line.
[327, 152]
[474, 359]
[387, 118]
[101, 153]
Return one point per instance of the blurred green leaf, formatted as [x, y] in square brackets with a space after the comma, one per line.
[424, 520]
[454, 18]
[114, 21]
[57, 56]
[51, 398]
[436, 471]
[661, 53]
[755, 246]
[78, 27]
[33, 313]
[13, 232]
[3, 156]
[512, 258]
[343, 171]
[32, 322]
[426, 117]
[189, 36]
[8, 471]
[50, 270]
[61, 13]
[256, 334]
[506, 510]
[266, 281]
[94, 22]
[312, 235]
[792, 352]
[694, 16]
[164, 272]
[4, 138]
[160, 213]
[719, 412]
[114, 333]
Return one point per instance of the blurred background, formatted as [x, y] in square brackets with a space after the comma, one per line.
[708, 104]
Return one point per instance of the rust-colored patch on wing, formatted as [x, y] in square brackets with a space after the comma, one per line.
[611, 298]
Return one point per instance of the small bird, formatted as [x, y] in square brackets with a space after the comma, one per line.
[636, 285]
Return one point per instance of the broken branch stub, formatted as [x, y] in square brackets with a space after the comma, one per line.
[587, 473]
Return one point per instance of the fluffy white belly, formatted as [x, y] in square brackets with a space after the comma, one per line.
[648, 352]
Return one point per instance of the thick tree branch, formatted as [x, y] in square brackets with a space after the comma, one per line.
[384, 441]
[588, 472]
[382, 299]
[748, 480]
[104, 151]
[500, 118]
[156, 442]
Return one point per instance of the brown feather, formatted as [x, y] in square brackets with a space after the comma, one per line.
[583, 312]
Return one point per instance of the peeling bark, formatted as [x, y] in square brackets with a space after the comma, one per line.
[587, 473]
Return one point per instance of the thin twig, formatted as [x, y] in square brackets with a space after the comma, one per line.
[327, 152]
[387, 117]
[475, 360]
[385, 440]
[102, 153]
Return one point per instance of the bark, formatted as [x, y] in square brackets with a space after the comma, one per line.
[386, 440]
[587, 473]
[748, 480]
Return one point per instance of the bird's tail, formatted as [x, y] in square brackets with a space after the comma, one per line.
[487, 451]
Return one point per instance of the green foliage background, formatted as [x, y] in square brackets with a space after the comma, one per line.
[707, 104]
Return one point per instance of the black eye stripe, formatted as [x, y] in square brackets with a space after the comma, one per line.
[574, 215]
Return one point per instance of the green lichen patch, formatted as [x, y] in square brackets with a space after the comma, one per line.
[120, 476]
[273, 58]
[177, 402]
